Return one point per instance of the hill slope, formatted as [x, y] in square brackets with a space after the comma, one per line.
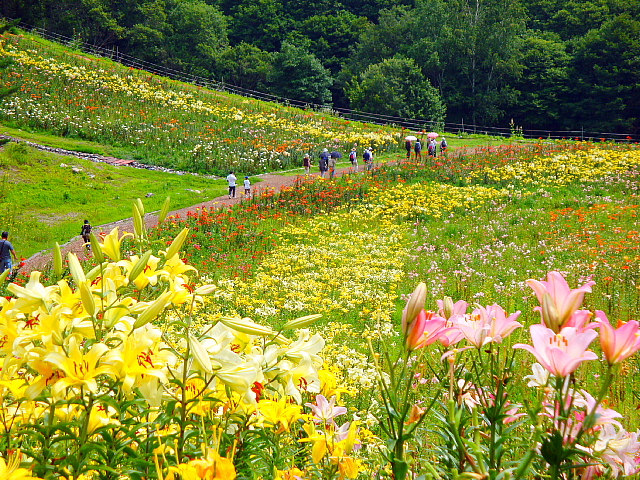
[161, 121]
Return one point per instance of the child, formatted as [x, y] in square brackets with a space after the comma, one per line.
[85, 232]
[247, 187]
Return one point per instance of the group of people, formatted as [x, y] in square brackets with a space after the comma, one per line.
[327, 161]
[232, 179]
[432, 147]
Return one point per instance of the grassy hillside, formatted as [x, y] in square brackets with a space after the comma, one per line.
[42, 201]
[161, 121]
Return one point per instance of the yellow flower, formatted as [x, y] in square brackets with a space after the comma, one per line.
[111, 244]
[278, 413]
[79, 369]
[10, 470]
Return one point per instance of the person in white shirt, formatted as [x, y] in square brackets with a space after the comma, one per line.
[247, 187]
[231, 178]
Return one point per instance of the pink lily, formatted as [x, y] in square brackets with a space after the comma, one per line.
[560, 353]
[325, 411]
[487, 325]
[453, 334]
[424, 330]
[618, 344]
[557, 300]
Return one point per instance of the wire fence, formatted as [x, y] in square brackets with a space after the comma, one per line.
[459, 129]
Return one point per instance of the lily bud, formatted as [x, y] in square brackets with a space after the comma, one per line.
[414, 306]
[57, 260]
[137, 221]
[550, 315]
[447, 307]
[246, 325]
[76, 269]
[162, 216]
[201, 354]
[153, 310]
[87, 298]
[96, 248]
[140, 265]
[301, 322]
[205, 289]
[176, 244]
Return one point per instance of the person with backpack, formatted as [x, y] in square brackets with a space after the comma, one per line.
[443, 145]
[6, 250]
[323, 164]
[85, 233]
[306, 163]
[418, 149]
[353, 157]
[367, 156]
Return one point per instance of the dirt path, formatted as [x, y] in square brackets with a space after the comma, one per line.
[41, 260]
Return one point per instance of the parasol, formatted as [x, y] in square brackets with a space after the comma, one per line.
[432, 135]
[411, 138]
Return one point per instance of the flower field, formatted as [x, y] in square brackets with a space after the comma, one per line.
[474, 317]
[165, 122]
[513, 358]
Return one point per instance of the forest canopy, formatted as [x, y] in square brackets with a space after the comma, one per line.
[547, 64]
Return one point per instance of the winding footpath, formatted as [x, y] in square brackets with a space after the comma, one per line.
[41, 260]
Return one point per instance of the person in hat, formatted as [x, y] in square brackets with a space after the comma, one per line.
[443, 145]
[324, 162]
[306, 163]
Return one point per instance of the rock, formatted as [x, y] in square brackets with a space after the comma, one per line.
[64, 165]
[149, 195]
[76, 170]
[194, 191]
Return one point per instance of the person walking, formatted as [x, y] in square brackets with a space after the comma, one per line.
[333, 160]
[367, 156]
[247, 187]
[6, 251]
[443, 145]
[407, 146]
[306, 163]
[85, 233]
[432, 147]
[417, 148]
[324, 162]
[353, 158]
[231, 178]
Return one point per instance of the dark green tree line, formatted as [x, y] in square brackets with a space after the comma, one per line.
[548, 64]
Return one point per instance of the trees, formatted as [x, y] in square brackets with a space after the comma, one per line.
[298, 74]
[198, 34]
[397, 87]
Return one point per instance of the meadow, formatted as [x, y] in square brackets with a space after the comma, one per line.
[164, 122]
[299, 348]
[44, 201]
[472, 316]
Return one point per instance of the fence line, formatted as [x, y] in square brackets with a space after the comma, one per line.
[459, 129]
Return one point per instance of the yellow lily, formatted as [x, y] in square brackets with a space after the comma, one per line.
[79, 369]
[33, 294]
[10, 470]
[111, 244]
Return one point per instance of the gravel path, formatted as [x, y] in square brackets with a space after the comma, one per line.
[41, 260]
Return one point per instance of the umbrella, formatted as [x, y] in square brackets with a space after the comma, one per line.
[336, 154]
[411, 138]
[432, 135]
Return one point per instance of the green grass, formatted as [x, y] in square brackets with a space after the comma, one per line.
[66, 143]
[45, 202]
